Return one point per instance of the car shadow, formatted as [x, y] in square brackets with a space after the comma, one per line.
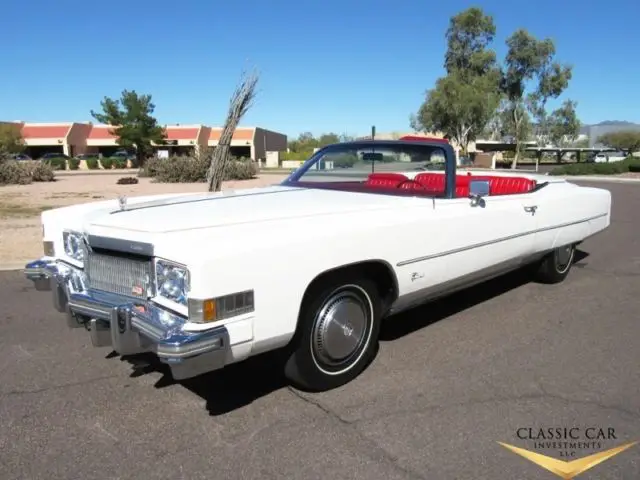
[238, 385]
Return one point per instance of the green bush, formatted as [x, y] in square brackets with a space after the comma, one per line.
[107, 163]
[187, 169]
[119, 162]
[92, 163]
[74, 164]
[57, 163]
[611, 168]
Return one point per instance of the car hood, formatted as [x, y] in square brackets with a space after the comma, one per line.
[211, 210]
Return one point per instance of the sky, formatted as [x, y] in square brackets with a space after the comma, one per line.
[325, 66]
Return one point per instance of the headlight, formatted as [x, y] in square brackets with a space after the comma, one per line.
[172, 281]
[73, 245]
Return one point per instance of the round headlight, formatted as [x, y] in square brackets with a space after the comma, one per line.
[73, 245]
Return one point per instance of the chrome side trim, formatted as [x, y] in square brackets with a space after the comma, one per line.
[119, 245]
[498, 240]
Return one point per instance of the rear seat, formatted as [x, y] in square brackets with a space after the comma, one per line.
[434, 183]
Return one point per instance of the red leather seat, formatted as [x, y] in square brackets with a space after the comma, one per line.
[510, 185]
[385, 179]
[433, 182]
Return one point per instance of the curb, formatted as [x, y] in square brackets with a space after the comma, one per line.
[10, 267]
[600, 178]
[76, 173]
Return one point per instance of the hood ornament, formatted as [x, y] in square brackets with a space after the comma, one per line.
[122, 201]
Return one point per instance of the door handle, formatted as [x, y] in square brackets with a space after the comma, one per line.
[531, 209]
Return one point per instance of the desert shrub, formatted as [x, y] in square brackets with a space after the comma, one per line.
[57, 163]
[181, 170]
[191, 169]
[92, 163]
[119, 162]
[107, 163]
[42, 172]
[150, 167]
[127, 181]
[74, 164]
[240, 170]
[14, 173]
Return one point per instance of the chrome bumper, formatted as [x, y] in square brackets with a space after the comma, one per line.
[130, 326]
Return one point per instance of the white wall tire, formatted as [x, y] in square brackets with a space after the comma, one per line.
[337, 335]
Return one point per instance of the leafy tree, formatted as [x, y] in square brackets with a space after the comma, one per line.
[529, 62]
[465, 99]
[623, 140]
[10, 139]
[306, 142]
[564, 125]
[133, 122]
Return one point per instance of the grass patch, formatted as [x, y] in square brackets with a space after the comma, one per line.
[10, 210]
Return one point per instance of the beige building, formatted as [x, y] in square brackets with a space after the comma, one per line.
[75, 138]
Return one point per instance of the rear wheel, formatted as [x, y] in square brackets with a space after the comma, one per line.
[337, 334]
[555, 266]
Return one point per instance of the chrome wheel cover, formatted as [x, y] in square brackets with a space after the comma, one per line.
[341, 329]
[564, 257]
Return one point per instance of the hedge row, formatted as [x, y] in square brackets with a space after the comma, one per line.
[92, 163]
[22, 172]
[630, 164]
[190, 169]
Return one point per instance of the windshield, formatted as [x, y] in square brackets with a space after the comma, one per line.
[354, 162]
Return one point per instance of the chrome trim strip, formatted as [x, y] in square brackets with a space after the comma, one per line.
[119, 245]
[491, 242]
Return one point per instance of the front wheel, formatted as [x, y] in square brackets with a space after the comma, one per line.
[555, 266]
[337, 334]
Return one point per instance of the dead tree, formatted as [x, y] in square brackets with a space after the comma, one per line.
[241, 101]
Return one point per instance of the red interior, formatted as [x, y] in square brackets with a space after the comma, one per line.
[434, 183]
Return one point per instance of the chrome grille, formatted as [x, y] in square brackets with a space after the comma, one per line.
[120, 275]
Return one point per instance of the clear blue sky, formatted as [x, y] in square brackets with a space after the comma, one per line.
[327, 65]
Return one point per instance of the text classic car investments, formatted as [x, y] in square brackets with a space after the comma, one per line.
[362, 230]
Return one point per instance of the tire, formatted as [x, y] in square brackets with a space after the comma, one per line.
[556, 265]
[337, 336]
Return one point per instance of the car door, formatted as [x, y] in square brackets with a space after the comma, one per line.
[475, 241]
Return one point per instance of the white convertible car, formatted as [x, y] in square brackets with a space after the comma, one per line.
[310, 266]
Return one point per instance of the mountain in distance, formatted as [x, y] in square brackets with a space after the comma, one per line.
[610, 125]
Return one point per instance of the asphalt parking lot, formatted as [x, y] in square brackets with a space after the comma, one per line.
[450, 381]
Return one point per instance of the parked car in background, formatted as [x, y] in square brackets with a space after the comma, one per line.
[48, 156]
[310, 266]
[604, 157]
[20, 156]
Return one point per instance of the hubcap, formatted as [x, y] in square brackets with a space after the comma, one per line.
[564, 256]
[340, 328]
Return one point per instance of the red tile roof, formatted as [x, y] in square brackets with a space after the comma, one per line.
[239, 134]
[182, 133]
[45, 131]
[101, 132]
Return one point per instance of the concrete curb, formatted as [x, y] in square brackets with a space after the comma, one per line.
[600, 178]
[8, 267]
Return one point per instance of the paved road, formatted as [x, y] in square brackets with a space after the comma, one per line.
[450, 381]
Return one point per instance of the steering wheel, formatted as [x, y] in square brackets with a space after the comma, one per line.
[409, 180]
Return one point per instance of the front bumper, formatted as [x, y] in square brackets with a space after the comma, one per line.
[130, 326]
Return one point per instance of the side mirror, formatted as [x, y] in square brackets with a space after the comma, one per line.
[477, 190]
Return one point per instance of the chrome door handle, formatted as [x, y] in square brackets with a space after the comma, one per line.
[531, 209]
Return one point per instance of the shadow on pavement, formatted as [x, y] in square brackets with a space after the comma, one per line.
[240, 384]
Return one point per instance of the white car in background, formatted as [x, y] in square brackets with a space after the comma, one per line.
[312, 265]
